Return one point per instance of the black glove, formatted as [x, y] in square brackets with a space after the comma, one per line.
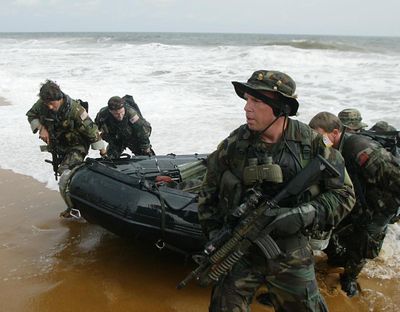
[289, 221]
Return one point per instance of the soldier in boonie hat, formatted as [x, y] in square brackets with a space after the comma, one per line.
[351, 119]
[382, 126]
[243, 161]
[272, 81]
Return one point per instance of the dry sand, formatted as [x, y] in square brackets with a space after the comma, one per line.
[49, 264]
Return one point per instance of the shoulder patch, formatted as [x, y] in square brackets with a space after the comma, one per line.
[84, 115]
[362, 158]
[134, 119]
[327, 141]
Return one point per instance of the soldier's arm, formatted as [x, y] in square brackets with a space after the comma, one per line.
[336, 197]
[101, 122]
[141, 131]
[34, 115]
[87, 128]
[209, 217]
[378, 167]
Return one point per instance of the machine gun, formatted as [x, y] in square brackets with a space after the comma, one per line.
[253, 227]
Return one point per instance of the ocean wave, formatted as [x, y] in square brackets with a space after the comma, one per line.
[307, 44]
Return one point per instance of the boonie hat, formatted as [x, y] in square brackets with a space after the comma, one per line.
[382, 126]
[115, 103]
[273, 81]
[351, 118]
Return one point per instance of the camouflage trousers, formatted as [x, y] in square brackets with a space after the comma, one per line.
[351, 246]
[290, 281]
[71, 160]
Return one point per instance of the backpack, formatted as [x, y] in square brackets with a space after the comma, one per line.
[390, 140]
[131, 102]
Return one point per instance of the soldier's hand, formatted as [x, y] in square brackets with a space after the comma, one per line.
[44, 134]
[103, 153]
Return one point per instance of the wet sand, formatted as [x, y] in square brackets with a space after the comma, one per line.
[49, 264]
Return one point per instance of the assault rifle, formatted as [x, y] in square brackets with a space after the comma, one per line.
[253, 227]
[52, 147]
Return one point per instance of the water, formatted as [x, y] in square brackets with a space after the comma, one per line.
[182, 84]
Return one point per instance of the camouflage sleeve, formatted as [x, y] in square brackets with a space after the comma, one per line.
[210, 217]
[34, 115]
[141, 131]
[86, 127]
[380, 170]
[336, 198]
[101, 122]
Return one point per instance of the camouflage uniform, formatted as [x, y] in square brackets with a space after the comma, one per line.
[291, 278]
[71, 133]
[132, 132]
[72, 128]
[376, 177]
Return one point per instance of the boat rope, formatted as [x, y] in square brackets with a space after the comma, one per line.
[161, 244]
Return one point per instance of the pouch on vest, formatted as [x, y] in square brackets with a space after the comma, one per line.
[230, 194]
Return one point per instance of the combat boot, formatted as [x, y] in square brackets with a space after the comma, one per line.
[265, 299]
[349, 285]
[66, 213]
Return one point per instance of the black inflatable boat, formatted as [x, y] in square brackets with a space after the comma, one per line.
[154, 198]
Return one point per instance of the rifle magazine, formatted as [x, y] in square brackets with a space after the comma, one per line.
[268, 246]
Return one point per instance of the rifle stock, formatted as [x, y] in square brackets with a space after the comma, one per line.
[221, 253]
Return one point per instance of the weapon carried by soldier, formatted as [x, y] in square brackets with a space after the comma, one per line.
[253, 227]
[52, 147]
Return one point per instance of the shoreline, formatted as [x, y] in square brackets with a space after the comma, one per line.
[49, 260]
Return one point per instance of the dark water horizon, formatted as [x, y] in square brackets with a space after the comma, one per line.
[300, 41]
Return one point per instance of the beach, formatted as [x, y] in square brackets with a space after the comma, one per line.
[52, 264]
[182, 84]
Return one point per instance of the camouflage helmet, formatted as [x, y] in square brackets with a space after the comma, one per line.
[273, 81]
[115, 103]
[351, 118]
[382, 126]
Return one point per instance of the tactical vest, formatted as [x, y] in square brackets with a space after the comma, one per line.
[62, 128]
[291, 154]
[119, 132]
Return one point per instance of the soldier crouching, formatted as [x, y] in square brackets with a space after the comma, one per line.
[123, 127]
[65, 126]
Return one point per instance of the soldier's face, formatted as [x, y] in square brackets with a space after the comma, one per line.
[258, 114]
[54, 105]
[118, 113]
